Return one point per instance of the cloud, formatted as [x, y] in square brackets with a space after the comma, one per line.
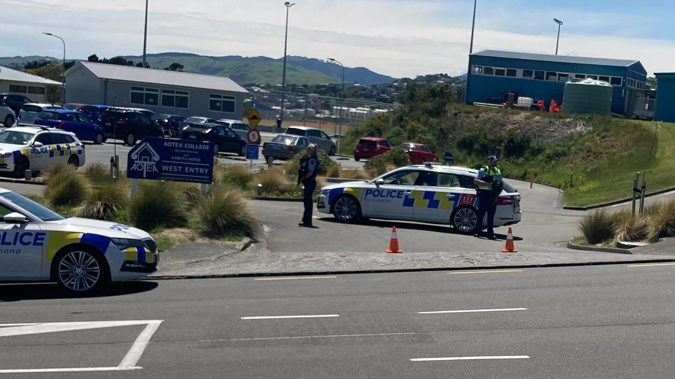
[397, 38]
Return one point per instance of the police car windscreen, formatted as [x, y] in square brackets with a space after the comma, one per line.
[32, 207]
[15, 138]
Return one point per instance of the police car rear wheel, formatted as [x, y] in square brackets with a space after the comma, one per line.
[464, 220]
[80, 271]
[347, 209]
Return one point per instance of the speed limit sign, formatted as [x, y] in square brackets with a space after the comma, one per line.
[253, 137]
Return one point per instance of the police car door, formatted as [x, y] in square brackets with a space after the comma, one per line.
[21, 249]
[391, 198]
[43, 156]
[436, 196]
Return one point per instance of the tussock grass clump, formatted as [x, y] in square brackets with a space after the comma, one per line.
[355, 174]
[661, 221]
[223, 212]
[334, 171]
[58, 169]
[237, 175]
[104, 202]
[64, 186]
[629, 227]
[597, 227]
[272, 180]
[97, 173]
[159, 204]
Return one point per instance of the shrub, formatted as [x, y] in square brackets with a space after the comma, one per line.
[237, 175]
[158, 204]
[58, 169]
[104, 202]
[65, 189]
[661, 223]
[355, 174]
[597, 227]
[223, 212]
[272, 180]
[334, 171]
[97, 173]
[380, 164]
[517, 144]
[293, 165]
[630, 227]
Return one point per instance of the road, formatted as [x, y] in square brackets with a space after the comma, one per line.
[582, 322]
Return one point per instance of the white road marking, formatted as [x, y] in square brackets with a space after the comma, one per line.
[56, 327]
[62, 370]
[483, 272]
[136, 351]
[295, 278]
[470, 358]
[287, 317]
[474, 311]
[651, 265]
[310, 337]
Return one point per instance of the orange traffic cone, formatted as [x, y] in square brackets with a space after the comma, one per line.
[393, 244]
[509, 248]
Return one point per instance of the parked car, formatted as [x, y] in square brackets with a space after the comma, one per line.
[94, 111]
[74, 122]
[37, 148]
[29, 112]
[196, 120]
[283, 147]
[170, 123]
[369, 147]
[74, 106]
[223, 138]
[314, 135]
[7, 116]
[238, 126]
[14, 101]
[419, 153]
[128, 125]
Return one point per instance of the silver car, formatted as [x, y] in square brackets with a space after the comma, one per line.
[30, 112]
[238, 127]
[7, 116]
[314, 135]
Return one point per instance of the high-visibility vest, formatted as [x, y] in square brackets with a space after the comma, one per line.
[489, 171]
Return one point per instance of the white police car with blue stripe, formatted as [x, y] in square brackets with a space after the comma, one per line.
[427, 193]
[81, 255]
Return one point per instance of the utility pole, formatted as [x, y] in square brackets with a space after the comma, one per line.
[288, 6]
[145, 33]
[63, 84]
[558, 39]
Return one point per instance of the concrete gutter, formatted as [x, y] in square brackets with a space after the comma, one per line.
[614, 250]
[22, 181]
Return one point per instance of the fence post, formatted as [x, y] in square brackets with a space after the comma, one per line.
[572, 180]
[531, 178]
[642, 198]
[635, 191]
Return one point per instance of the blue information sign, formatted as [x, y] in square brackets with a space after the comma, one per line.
[448, 157]
[169, 159]
[252, 151]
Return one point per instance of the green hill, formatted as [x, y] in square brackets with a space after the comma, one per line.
[17, 63]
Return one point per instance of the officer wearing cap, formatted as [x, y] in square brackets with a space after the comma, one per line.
[309, 167]
[489, 185]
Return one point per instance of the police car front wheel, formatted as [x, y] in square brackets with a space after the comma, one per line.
[80, 271]
[464, 220]
[347, 209]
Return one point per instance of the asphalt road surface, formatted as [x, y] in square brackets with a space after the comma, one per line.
[575, 322]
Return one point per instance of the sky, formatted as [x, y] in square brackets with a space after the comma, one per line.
[400, 38]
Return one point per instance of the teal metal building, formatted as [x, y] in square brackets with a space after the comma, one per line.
[493, 74]
[664, 109]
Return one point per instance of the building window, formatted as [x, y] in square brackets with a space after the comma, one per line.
[18, 89]
[488, 71]
[563, 77]
[604, 79]
[511, 73]
[528, 74]
[539, 75]
[478, 70]
[219, 103]
[552, 76]
[616, 81]
[144, 96]
[175, 99]
[594, 77]
[500, 72]
[41, 91]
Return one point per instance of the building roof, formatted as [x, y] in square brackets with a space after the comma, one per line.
[557, 58]
[11, 75]
[160, 77]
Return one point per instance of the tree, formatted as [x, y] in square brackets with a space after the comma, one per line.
[175, 67]
[52, 72]
[93, 58]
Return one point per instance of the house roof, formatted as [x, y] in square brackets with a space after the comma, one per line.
[12, 75]
[557, 58]
[159, 77]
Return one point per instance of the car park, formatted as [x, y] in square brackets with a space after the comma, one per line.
[170, 124]
[238, 127]
[224, 139]
[419, 153]
[37, 148]
[29, 112]
[128, 125]
[283, 147]
[196, 120]
[424, 193]
[14, 101]
[72, 121]
[80, 255]
[7, 116]
[94, 111]
[74, 106]
[316, 136]
[369, 147]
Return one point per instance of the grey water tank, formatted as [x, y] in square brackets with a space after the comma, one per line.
[587, 96]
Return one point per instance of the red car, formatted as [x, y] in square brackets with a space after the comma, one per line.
[370, 146]
[419, 153]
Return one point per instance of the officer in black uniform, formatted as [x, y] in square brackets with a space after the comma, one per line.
[309, 167]
[489, 183]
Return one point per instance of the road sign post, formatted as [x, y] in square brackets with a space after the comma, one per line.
[252, 151]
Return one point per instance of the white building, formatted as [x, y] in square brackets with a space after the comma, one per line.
[32, 86]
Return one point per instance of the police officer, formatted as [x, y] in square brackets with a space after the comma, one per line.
[309, 166]
[489, 183]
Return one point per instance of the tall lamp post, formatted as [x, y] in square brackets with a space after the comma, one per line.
[557, 40]
[288, 6]
[341, 101]
[468, 72]
[145, 33]
[63, 85]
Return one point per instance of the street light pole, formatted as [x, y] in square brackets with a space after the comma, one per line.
[341, 101]
[558, 39]
[468, 72]
[288, 6]
[63, 84]
[145, 33]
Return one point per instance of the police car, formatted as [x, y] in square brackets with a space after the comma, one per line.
[427, 193]
[79, 254]
[37, 148]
